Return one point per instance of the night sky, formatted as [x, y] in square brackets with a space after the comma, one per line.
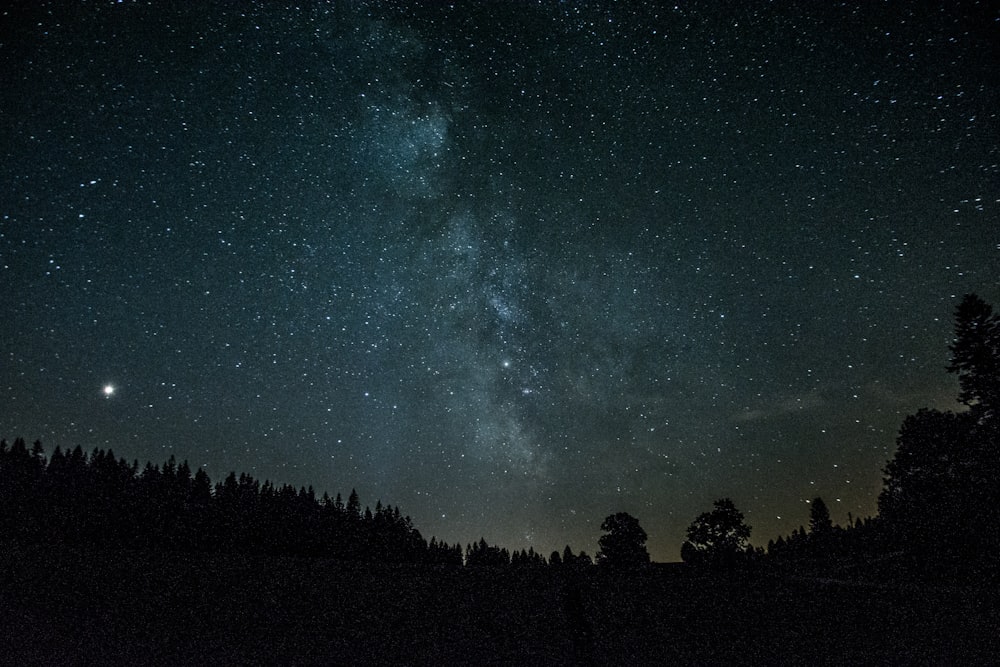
[511, 266]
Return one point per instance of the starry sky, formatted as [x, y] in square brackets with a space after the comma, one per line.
[512, 266]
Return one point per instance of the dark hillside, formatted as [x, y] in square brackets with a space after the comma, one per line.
[92, 606]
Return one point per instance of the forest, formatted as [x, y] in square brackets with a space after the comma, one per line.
[244, 565]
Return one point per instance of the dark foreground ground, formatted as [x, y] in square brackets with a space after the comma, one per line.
[62, 607]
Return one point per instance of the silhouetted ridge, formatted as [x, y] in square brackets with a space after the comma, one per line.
[73, 498]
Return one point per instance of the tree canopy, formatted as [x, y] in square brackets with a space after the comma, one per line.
[718, 537]
[624, 544]
[941, 495]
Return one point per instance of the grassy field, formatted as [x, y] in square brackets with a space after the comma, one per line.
[69, 606]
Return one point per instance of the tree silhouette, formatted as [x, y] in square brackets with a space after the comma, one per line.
[624, 545]
[718, 537]
[527, 558]
[819, 518]
[931, 480]
[353, 505]
[976, 354]
[941, 496]
[76, 499]
[481, 554]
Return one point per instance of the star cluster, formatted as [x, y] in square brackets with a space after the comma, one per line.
[512, 266]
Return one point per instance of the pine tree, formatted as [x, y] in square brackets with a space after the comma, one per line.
[354, 505]
[819, 518]
[976, 354]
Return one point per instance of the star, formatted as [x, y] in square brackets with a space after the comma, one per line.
[439, 263]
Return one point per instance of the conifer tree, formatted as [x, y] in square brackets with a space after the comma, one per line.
[819, 517]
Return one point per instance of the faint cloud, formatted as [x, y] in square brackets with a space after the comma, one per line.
[941, 395]
[781, 407]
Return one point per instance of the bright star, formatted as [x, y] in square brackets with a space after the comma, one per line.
[109, 390]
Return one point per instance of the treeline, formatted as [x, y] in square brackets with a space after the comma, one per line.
[98, 499]
[939, 509]
[73, 498]
[481, 554]
[825, 544]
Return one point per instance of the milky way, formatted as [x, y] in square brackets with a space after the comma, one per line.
[511, 266]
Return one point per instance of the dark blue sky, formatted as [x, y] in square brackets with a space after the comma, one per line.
[511, 266]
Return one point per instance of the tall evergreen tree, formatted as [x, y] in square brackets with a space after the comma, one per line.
[354, 505]
[819, 517]
[976, 354]
[941, 495]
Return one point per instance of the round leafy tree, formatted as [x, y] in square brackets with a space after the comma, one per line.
[624, 545]
[718, 537]
[941, 494]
